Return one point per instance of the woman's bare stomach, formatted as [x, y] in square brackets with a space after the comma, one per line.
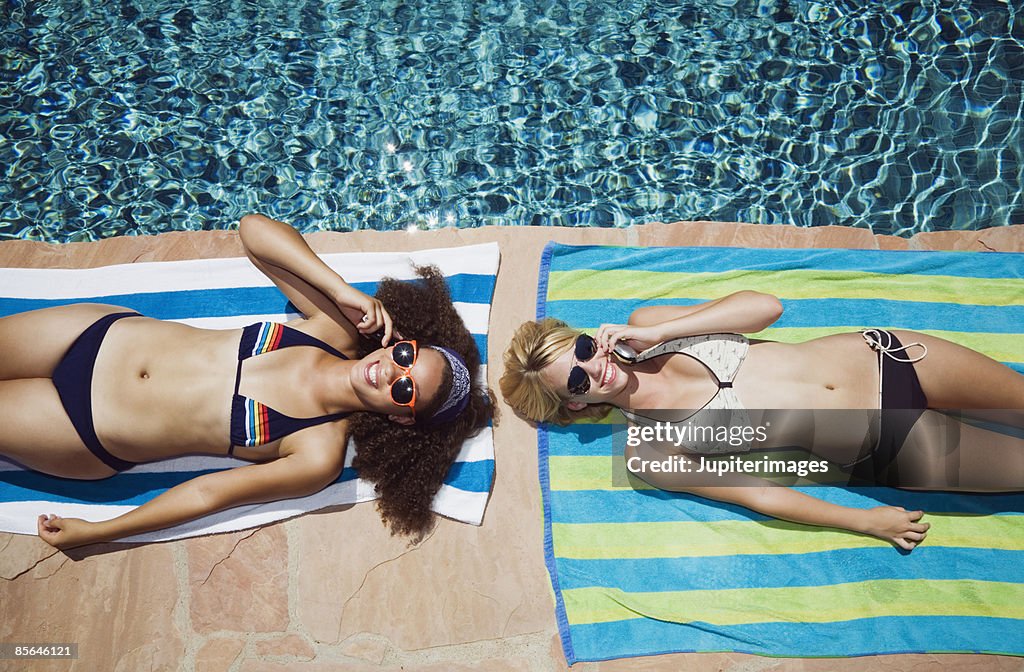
[162, 389]
[820, 395]
[832, 372]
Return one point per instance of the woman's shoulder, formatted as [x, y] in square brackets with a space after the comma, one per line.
[324, 328]
[322, 445]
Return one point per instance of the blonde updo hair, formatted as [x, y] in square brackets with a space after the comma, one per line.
[535, 346]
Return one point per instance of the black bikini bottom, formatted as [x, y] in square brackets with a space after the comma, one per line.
[903, 401]
[73, 380]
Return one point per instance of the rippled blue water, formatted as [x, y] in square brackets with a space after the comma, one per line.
[136, 117]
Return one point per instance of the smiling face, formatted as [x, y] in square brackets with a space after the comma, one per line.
[373, 375]
[607, 379]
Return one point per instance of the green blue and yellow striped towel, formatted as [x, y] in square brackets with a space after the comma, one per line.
[641, 571]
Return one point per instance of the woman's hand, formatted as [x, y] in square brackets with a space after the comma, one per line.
[897, 526]
[610, 334]
[365, 312]
[64, 533]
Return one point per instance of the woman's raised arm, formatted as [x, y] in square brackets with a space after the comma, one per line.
[742, 312]
[312, 286]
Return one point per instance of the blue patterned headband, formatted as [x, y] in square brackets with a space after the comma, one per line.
[458, 397]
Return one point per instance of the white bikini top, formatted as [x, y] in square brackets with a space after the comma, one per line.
[708, 429]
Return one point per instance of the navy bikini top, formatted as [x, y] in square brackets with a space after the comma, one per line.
[253, 423]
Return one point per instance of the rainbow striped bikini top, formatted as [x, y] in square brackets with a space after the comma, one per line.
[253, 423]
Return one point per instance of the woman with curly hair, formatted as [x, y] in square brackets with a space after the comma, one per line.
[88, 390]
[691, 365]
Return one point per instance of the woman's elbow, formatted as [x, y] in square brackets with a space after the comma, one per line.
[206, 497]
[773, 307]
[252, 221]
[767, 307]
[248, 228]
[258, 233]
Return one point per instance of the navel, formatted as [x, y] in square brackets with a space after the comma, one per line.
[830, 387]
[144, 375]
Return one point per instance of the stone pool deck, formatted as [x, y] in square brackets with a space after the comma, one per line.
[332, 590]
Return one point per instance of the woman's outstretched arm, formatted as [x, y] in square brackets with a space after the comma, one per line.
[889, 523]
[742, 312]
[296, 475]
[283, 255]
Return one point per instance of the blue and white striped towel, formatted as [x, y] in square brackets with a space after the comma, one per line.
[227, 294]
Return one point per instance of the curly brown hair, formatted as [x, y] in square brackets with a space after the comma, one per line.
[408, 463]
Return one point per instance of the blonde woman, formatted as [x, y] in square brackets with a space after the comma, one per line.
[695, 358]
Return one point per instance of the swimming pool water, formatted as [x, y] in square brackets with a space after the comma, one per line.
[131, 117]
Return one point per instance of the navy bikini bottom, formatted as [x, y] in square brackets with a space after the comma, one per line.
[73, 380]
[903, 401]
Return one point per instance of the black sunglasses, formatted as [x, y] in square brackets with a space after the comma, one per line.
[583, 351]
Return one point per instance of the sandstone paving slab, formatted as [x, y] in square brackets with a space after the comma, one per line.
[218, 654]
[119, 607]
[238, 582]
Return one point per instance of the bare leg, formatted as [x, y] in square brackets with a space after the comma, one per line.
[34, 428]
[38, 434]
[943, 453]
[955, 377]
[990, 461]
[33, 343]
